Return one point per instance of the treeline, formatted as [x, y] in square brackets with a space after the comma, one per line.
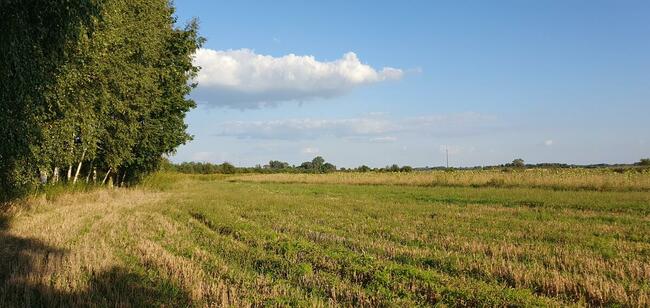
[90, 90]
[316, 165]
[519, 163]
[319, 165]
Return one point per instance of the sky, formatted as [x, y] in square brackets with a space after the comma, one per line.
[384, 82]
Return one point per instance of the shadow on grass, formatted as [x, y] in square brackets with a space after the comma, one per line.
[24, 261]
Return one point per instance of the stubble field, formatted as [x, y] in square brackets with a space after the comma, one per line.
[337, 239]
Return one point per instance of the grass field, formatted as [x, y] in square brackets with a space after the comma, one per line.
[317, 240]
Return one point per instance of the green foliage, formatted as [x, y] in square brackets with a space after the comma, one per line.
[518, 163]
[397, 168]
[228, 168]
[363, 168]
[644, 162]
[327, 167]
[317, 162]
[91, 82]
[276, 164]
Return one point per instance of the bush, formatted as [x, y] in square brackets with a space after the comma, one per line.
[228, 168]
[363, 168]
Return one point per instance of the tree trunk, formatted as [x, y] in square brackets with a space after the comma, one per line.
[69, 173]
[123, 177]
[94, 175]
[55, 175]
[90, 171]
[76, 174]
[106, 177]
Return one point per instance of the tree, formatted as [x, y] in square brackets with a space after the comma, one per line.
[363, 168]
[644, 162]
[307, 165]
[276, 164]
[327, 167]
[518, 163]
[393, 168]
[102, 83]
[228, 168]
[317, 162]
[406, 169]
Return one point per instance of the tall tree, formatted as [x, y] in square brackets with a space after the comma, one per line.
[91, 80]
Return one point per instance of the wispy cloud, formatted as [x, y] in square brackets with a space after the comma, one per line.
[243, 79]
[305, 128]
[309, 150]
[384, 139]
[382, 129]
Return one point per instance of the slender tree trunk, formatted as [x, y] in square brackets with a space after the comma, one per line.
[94, 175]
[106, 177]
[55, 175]
[69, 173]
[90, 171]
[123, 177]
[76, 174]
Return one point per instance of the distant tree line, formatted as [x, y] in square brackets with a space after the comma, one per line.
[316, 165]
[90, 90]
[319, 165]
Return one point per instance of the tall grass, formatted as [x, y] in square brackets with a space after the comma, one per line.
[563, 179]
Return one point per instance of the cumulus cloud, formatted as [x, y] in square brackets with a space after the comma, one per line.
[243, 79]
[371, 129]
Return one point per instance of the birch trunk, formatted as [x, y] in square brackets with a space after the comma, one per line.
[123, 177]
[106, 177]
[90, 171]
[55, 175]
[69, 173]
[94, 175]
[76, 174]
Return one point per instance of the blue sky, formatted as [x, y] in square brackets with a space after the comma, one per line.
[379, 82]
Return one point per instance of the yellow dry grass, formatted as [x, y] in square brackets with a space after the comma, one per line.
[75, 251]
[589, 179]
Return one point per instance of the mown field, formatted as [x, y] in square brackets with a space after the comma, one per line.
[336, 239]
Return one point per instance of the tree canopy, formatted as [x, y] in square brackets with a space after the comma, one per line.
[90, 86]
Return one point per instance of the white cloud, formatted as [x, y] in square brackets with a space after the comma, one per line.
[305, 128]
[309, 150]
[370, 129]
[548, 142]
[243, 79]
[384, 139]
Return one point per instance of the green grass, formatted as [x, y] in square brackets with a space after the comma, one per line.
[204, 240]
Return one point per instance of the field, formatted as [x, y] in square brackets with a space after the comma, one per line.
[486, 238]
